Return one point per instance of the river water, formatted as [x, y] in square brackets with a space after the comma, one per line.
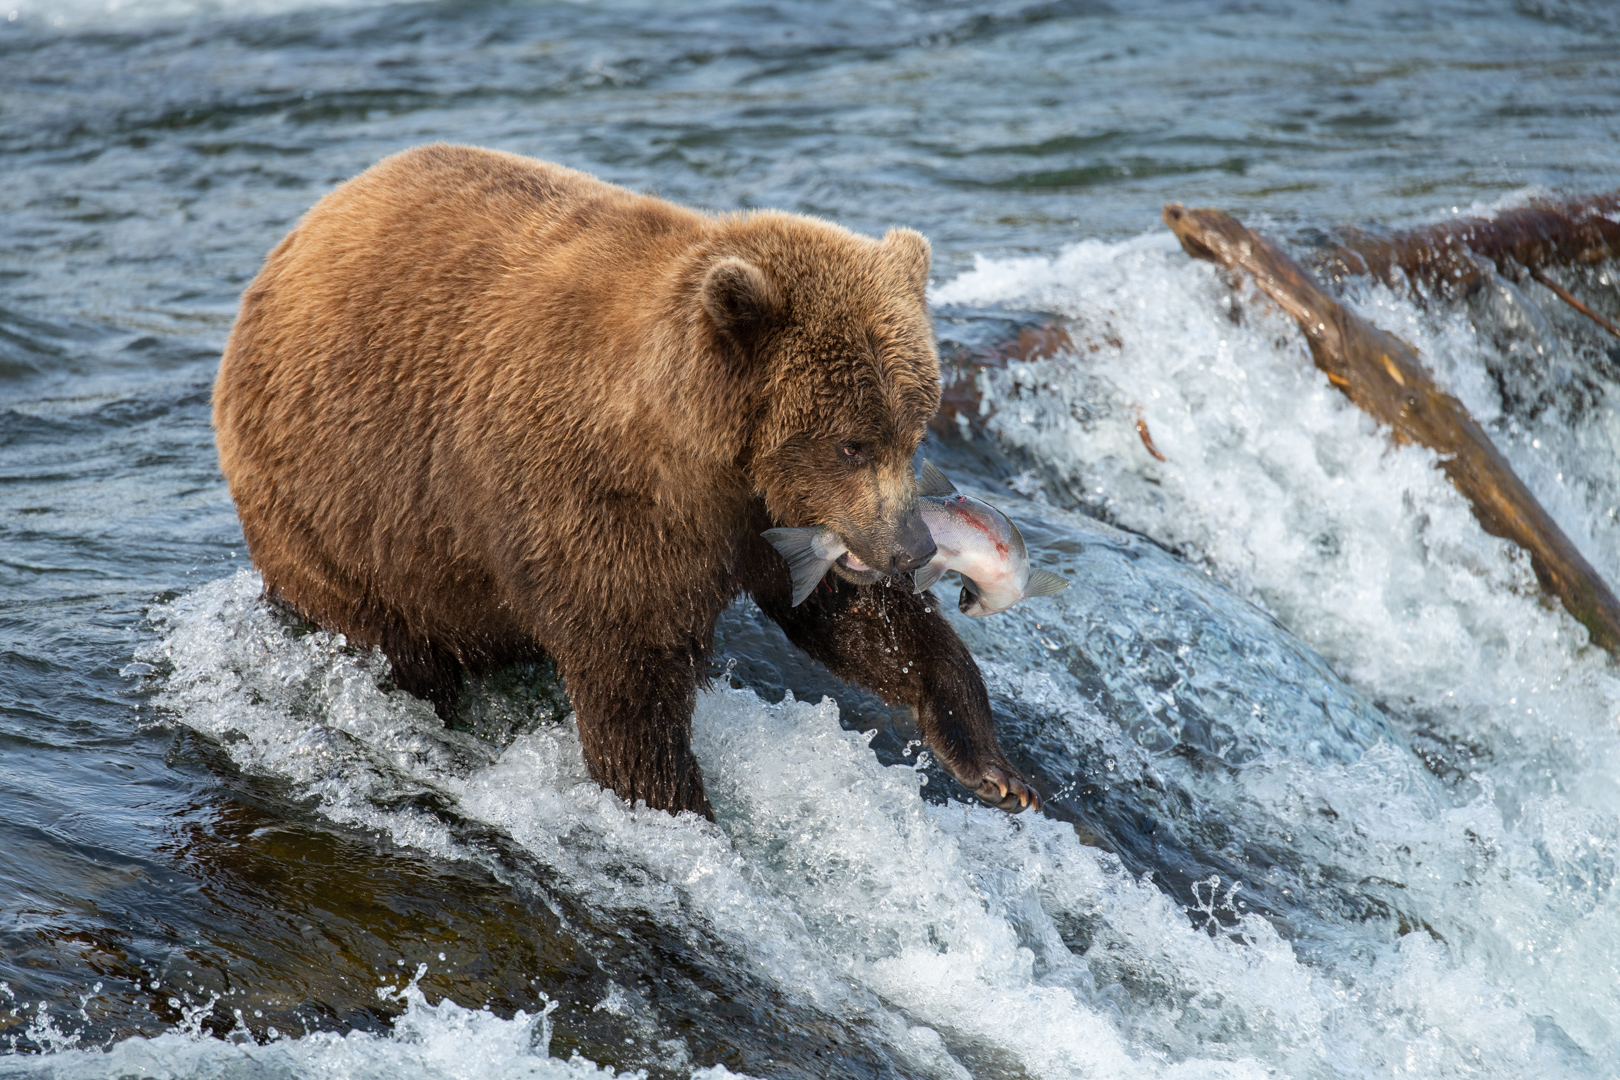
[1332, 788]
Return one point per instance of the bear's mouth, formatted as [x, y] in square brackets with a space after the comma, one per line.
[849, 562]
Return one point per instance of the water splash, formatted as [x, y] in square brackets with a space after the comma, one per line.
[434, 1042]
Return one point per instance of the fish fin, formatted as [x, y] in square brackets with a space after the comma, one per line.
[932, 482]
[806, 565]
[925, 578]
[1044, 583]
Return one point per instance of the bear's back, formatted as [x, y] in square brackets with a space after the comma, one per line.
[440, 234]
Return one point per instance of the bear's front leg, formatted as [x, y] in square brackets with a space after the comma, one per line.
[901, 648]
[633, 703]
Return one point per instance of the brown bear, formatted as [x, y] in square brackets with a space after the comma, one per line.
[478, 409]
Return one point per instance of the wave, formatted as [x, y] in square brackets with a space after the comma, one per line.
[428, 1041]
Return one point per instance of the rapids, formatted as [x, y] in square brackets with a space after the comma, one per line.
[1332, 788]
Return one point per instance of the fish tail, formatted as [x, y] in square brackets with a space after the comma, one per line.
[805, 558]
[1044, 583]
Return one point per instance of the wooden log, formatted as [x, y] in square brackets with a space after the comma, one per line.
[1383, 376]
[1457, 256]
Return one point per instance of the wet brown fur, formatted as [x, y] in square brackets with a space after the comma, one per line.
[479, 408]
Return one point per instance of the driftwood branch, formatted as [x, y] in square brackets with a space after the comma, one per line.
[1384, 377]
[1572, 300]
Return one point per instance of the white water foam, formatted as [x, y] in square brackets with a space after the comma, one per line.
[1284, 491]
[827, 871]
[433, 1042]
[963, 935]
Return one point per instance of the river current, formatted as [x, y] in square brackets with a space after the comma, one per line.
[1333, 790]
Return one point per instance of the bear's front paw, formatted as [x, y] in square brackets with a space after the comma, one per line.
[1006, 790]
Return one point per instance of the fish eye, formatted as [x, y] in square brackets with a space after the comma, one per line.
[853, 454]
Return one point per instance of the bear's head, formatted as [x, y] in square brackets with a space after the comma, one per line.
[832, 330]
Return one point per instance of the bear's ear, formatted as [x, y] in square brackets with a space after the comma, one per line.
[911, 251]
[741, 300]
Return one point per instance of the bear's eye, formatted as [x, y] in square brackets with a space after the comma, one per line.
[852, 453]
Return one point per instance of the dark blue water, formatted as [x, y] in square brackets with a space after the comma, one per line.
[1276, 702]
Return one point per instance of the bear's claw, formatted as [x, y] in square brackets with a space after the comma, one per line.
[1006, 790]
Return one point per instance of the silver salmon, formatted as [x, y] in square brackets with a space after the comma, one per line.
[978, 542]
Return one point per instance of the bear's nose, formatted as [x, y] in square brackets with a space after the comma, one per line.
[914, 545]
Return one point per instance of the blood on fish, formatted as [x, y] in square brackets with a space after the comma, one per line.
[1001, 548]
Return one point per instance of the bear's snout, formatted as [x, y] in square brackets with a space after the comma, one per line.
[913, 544]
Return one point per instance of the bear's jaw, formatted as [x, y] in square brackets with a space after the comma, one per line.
[849, 562]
